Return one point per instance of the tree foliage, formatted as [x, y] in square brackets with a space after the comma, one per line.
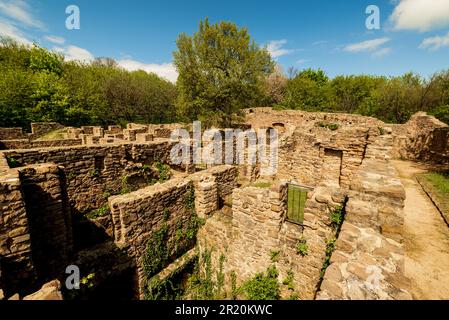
[221, 70]
[38, 85]
[392, 99]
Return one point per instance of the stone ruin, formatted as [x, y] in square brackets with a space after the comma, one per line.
[99, 197]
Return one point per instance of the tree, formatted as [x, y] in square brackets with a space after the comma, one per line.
[308, 91]
[351, 93]
[221, 70]
[275, 86]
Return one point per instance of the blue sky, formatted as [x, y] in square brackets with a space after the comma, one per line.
[331, 35]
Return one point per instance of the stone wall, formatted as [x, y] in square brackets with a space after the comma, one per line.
[15, 244]
[39, 129]
[49, 218]
[258, 227]
[12, 134]
[368, 262]
[93, 171]
[318, 156]
[28, 144]
[423, 138]
[139, 215]
[269, 118]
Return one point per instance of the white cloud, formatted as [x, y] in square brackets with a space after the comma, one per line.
[9, 30]
[74, 53]
[435, 43]
[55, 39]
[20, 11]
[301, 61]
[276, 50]
[421, 15]
[381, 53]
[165, 70]
[366, 46]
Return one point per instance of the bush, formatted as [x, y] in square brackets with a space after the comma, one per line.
[263, 286]
[302, 248]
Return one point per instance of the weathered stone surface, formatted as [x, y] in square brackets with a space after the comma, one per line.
[49, 291]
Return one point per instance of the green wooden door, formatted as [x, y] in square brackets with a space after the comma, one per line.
[297, 198]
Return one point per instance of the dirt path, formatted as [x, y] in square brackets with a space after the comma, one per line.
[426, 239]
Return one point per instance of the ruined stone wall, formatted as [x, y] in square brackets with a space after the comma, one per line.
[258, 227]
[39, 129]
[12, 134]
[319, 156]
[15, 243]
[28, 144]
[423, 138]
[94, 171]
[49, 218]
[139, 215]
[269, 118]
[213, 188]
[368, 262]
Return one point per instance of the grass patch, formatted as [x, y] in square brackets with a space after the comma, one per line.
[440, 181]
[437, 186]
[261, 184]
[100, 212]
[59, 134]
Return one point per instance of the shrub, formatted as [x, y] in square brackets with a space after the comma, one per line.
[12, 163]
[337, 217]
[262, 286]
[302, 248]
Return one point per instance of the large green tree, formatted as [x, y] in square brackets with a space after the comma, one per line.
[308, 90]
[221, 70]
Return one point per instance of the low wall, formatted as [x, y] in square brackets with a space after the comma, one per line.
[12, 133]
[39, 129]
[27, 144]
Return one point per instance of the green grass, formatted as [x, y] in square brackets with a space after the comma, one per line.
[54, 135]
[437, 186]
[440, 181]
[261, 184]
